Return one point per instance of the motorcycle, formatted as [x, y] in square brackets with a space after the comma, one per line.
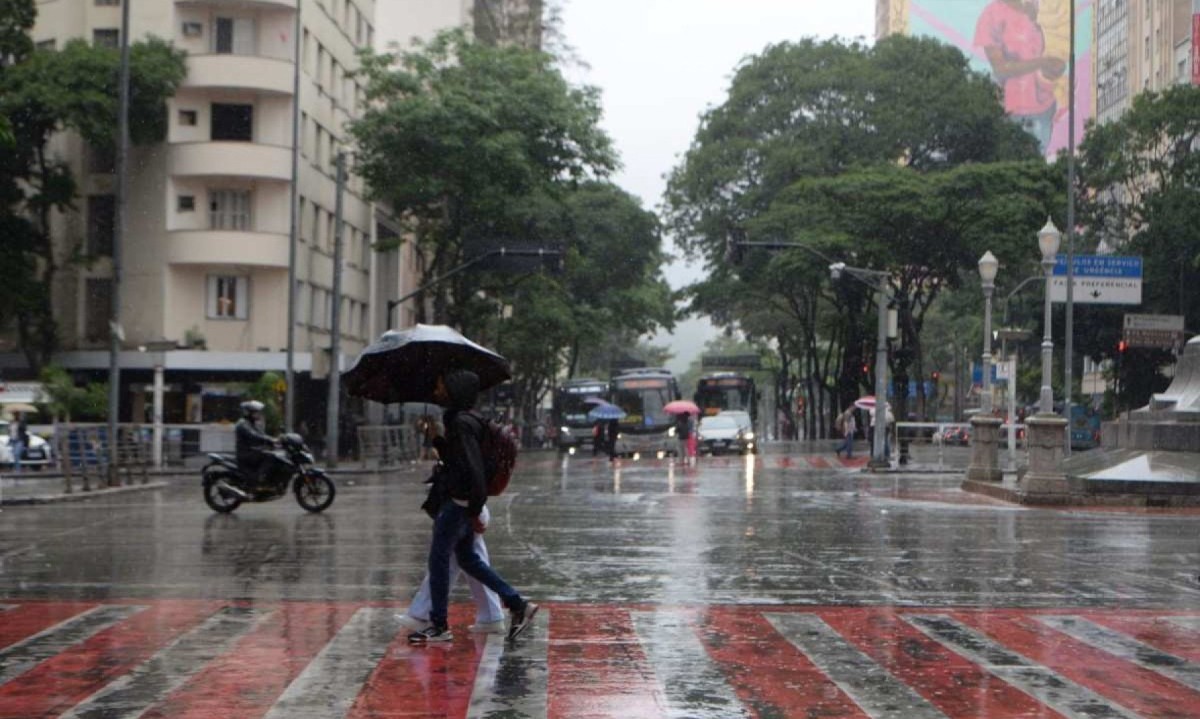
[226, 486]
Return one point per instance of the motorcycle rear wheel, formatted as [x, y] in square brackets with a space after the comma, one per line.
[315, 493]
[217, 499]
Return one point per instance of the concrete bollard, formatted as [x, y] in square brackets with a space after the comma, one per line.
[985, 449]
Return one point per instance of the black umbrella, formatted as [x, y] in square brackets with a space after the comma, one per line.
[403, 365]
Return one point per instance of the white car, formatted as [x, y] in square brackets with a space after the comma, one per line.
[741, 416]
[37, 452]
[720, 433]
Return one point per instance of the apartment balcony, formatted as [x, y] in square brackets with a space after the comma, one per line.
[242, 4]
[227, 247]
[230, 159]
[240, 72]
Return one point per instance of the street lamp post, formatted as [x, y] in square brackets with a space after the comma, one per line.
[985, 428]
[1045, 480]
[988, 267]
[1049, 239]
[879, 459]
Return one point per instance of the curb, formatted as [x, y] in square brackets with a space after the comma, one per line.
[79, 496]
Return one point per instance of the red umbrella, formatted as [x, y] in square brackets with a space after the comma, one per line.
[681, 406]
[867, 402]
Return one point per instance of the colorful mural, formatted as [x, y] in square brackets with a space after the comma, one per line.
[1023, 45]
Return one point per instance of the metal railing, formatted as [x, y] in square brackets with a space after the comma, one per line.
[382, 446]
[82, 451]
[932, 439]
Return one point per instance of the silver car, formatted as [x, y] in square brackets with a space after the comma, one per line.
[37, 452]
[720, 434]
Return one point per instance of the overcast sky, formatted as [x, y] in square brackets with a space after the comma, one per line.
[660, 63]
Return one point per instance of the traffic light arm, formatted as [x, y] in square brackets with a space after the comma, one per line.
[499, 252]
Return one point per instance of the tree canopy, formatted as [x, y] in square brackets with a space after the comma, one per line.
[895, 157]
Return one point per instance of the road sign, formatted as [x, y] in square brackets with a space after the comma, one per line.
[1154, 331]
[1099, 280]
[744, 361]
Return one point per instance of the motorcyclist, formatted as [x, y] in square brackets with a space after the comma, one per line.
[255, 448]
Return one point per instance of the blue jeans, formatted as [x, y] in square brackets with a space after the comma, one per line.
[847, 446]
[18, 449]
[452, 532]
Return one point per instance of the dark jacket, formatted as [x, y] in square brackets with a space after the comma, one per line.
[250, 442]
[459, 449]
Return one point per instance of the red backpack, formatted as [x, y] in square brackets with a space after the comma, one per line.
[499, 450]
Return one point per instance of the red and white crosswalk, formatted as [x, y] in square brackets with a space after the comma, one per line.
[327, 660]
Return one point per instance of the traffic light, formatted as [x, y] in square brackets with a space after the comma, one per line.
[1122, 346]
[935, 376]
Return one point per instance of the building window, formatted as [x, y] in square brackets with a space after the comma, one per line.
[101, 224]
[233, 36]
[97, 308]
[187, 118]
[232, 122]
[229, 210]
[49, 45]
[193, 29]
[228, 297]
[108, 3]
[106, 37]
[187, 203]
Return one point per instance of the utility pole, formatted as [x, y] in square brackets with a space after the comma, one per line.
[289, 397]
[116, 332]
[335, 350]
[1069, 349]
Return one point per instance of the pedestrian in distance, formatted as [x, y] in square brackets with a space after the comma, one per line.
[611, 430]
[681, 434]
[18, 440]
[847, 425]
[458, 519]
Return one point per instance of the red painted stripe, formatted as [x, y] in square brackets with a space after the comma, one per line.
[598, 668]
[819, 462]
[770, 675]
[25, 620]
[952, 683]
[248, 679]
[1156, 631]
[1149, 694]
[63, 681]
[430, 681]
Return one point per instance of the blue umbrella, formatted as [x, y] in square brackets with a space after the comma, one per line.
[606, 411]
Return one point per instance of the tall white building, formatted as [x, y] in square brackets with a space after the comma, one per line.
[1141, 45]
[206, 254]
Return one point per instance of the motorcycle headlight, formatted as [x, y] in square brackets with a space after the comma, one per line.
[307, 457]
[565, 430]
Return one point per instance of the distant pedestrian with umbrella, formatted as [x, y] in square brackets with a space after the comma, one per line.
[434, 363]
[685, 413]
[608, 417]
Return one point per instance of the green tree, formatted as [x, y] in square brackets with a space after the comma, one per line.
[43, 93]
[468, 143]
[65, 401]
[895, 157]
[1140, 195]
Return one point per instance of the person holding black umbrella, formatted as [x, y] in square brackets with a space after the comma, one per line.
[455, 525]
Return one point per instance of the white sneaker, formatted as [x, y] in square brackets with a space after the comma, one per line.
[412, 622]
[496, 627]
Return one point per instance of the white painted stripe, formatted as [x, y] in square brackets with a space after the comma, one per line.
[6, 607]
[19, 658]
[1187, 622]
[1131, 650]
[130, 695]
[513, 677]
[693, 684]
[873, 688]
[327, 687]
[1052, 689]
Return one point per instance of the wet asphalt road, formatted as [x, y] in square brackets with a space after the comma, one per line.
[729, 530]
[787, 585]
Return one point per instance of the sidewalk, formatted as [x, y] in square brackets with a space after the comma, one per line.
[46, 488]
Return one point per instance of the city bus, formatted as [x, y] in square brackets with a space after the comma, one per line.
[570, 411]
[646, 429]
[721, 391]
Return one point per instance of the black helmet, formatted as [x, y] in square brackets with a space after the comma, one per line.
[250, 407]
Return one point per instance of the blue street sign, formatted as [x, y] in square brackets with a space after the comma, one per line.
[1099, 279]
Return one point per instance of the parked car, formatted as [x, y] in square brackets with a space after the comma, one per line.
[719, 434]
[960, 436]
[37, 452]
